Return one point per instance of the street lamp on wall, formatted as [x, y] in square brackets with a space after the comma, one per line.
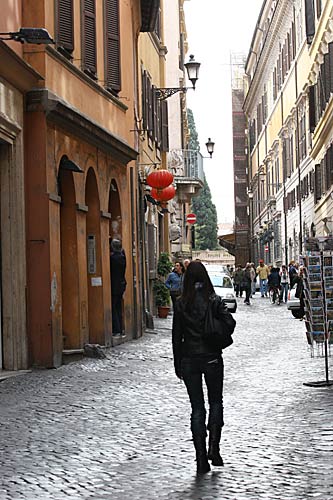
[210, 147]
[192, 69]
[37, 36]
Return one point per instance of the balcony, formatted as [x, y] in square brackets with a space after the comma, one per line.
[187, 168]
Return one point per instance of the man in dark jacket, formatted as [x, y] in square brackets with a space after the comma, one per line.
[118, 286]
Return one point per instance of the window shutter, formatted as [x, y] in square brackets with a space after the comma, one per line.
[309, 20]
[181, 52]
[150, 109]
[330, 52]
[89, 37]
[274, 85]
[144, 101]
[158, 123]
[65, 31]
[327, 80]
[312, 108]
[293, 40]
[113, 82]
[330, 161]
[327, 172]
[164, 126]
[317, 183]
[154, 103]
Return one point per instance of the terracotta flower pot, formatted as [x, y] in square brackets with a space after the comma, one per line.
[163, 311]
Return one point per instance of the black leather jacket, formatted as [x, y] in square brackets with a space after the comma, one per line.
[187, 331]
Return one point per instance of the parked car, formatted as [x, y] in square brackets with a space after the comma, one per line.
[223, 286]
[293, 303]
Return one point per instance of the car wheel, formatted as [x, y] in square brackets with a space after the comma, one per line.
[297, 313]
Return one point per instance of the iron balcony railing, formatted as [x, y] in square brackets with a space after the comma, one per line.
[186, 163]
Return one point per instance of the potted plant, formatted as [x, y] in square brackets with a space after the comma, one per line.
[162, 294]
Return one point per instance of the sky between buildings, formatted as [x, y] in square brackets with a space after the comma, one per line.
[216, 28]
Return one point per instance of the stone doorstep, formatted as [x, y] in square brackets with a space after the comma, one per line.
[4, 374]
[70, 355]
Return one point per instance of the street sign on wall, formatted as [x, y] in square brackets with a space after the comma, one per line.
[191, 218]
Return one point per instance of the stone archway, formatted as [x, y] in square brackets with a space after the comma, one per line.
[69, 262]
[94, 261]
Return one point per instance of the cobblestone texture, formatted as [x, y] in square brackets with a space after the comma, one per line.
[119, 428]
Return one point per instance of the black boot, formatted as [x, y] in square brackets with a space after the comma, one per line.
[214, 445]
[201, 453]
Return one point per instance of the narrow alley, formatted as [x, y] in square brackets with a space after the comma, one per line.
[119, 428]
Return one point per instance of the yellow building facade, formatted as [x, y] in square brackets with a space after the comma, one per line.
[284, 144]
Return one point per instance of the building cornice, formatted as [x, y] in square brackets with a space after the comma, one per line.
[74, 121]
[16, 71]
[320, 47]
[280, 24]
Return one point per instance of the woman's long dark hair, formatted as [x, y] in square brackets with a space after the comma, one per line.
[196, 273]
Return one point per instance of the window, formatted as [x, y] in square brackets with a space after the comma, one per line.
[302, 135]
[89, 37]
[157, 28]
[64, 27]
[112, 46]
[309, 20]
[154, 114]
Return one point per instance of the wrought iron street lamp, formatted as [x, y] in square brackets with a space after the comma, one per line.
[192, 69]
[210, 147]
[29, 35]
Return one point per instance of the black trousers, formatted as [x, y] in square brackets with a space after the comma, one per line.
[117, 313]
[211, 368]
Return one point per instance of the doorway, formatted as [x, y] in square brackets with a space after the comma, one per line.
[69, 262]
[94, 263]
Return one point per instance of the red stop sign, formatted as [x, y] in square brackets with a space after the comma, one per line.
[191, 218]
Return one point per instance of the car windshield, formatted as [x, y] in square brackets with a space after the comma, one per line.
[221, 281]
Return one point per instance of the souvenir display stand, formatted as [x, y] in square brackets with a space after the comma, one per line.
[318, 305]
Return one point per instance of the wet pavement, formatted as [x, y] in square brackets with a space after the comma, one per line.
[118, 428]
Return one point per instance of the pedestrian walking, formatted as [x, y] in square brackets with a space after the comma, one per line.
[118, 286]
[254, 281]
[174, 282]
[292, 273]
[238, 278]
[299, 294]
[247, 282]
[284, 283]
[273, 282]
[262, 271]
[194, 357]
[186, 263]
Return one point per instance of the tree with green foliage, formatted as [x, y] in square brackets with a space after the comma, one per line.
[202, 205]
[194, 140]
[206, 225]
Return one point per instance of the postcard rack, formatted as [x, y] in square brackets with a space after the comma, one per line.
[318, 305]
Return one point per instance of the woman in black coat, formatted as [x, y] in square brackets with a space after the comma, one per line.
[193, 357]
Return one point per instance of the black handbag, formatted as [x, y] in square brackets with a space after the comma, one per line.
[219, 324]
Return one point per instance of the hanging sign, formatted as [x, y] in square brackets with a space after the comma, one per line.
[191, 218]
[266, 248]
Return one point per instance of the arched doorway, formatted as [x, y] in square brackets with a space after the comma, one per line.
[115, 232]
[69, 262]
[94, 264]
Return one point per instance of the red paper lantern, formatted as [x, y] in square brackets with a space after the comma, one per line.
[159, 179]
[165, 194]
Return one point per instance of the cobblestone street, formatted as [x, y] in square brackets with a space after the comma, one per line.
[119, 428]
